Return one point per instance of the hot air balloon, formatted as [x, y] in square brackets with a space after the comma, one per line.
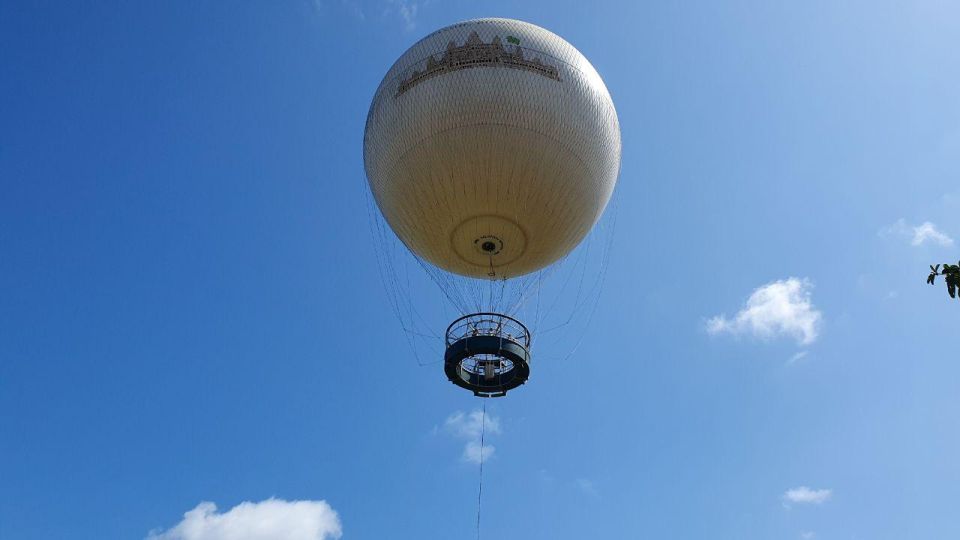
[491, 149]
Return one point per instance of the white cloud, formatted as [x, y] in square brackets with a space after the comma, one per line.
[799, 356]
[272, 519]
[468, 426]
[805, 495]
[918, 235]
[807, 535]
[928, 232]
[474, 453]
[781, 308]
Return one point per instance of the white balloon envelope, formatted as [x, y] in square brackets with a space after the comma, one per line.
[492, 148]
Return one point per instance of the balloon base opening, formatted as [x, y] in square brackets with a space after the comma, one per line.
[487, 353]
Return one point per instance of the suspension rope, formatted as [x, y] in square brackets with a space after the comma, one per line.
[483, 422]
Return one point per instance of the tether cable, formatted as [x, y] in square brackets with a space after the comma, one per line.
[483, 421]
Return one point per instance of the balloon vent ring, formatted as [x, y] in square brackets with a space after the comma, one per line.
[487, 353]
[489, 245]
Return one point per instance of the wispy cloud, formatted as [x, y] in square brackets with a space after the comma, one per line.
[406, 10]
[272, 518]
[468, 427]
[781, 308]
[587, 487]
[797, 357]
[352, 7]
[805, 495]
[918, 235]
[807, 535]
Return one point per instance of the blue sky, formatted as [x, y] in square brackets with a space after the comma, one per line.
[191, 309]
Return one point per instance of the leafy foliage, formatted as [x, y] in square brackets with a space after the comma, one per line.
[950, 273]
